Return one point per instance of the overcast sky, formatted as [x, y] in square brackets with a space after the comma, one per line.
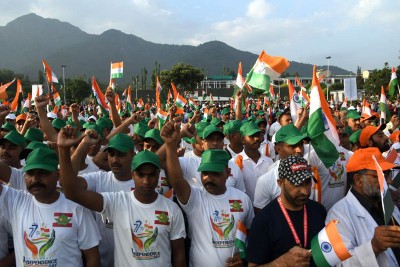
[354, 33]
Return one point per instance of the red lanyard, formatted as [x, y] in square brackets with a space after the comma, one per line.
[289, 221]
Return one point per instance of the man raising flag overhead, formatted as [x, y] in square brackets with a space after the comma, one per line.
[266, 69]
[117, 70]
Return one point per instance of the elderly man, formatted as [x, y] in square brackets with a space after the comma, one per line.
[361, 216]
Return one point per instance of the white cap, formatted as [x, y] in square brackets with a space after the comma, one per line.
[51, 115]
[10, 116]
[93, 118]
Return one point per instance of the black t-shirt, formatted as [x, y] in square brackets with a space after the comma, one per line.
[270, 236]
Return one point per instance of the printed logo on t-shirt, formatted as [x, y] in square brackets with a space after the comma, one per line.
[236, 205]
[39, 241]
[162, 217]
[222, 224]
[62, 219]
[144, 236]
[336, 172]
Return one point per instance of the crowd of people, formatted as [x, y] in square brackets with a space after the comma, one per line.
[93, 188]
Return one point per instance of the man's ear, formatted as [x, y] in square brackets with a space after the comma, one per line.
[280, 182]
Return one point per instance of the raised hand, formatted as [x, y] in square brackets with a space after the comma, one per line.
[41, 101]
[110, 95]
[67, 137]
[91, 137]
[74, 109]
[170, 133]
[188, 130]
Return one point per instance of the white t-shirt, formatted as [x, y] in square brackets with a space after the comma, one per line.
[17, 179]
[91, 167]
[143, 232]
[267, 148]
[48, 234]
[190, 165]
[274, 128]
[267, 188]
[252, 170]
[233, 153]
[5, 233]
[333, 179]
[213, 223]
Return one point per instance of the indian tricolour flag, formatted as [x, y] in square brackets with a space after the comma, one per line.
[180, 101]
[294, 101]
[192, 103]
[266, 69]
[328, 248]
[162, 117]
[241, 239]
[27, 104]
[386, 198]
[117, 70]
[383, 107]
[393, 82]
[321, 126]
[99, 96]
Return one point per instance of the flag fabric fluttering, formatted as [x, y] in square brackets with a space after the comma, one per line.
[117, 70]
[241, 239]
[112, 84]
[366, 108]
[206, 116]
[16, 104]
[174, 90]
[192, 103]
[328, 248]
[383, 107]
[27, 104]
[307, 91]
[128, 102]
[56, 96]
[99, 96]
[321, 126]
[294, 101]
[393, 82]
[266, 69]
[386, 198]
[50, 76]
[162, 118]
[3, 90]
[180, 101]
[239, 85]
[160, 95]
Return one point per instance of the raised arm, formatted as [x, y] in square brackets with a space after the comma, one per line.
[48, 129]
[170, 134]
[134, 118]
[238, 101]
[110, 95]
[68, 176]
[81, 151]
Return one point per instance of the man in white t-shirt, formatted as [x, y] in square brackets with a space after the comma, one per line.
[48, 229]
[148, 228]
[214, 210]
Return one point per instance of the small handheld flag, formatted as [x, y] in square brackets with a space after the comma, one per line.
[241, 239]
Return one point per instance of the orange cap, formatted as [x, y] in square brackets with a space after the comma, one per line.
[362, 160]
[21, 116]
[394, 137]
[369, 131]
[365, 117]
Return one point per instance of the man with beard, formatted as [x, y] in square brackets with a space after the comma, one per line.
[281, 233]
[47, 228]
[372, 136]
[361, 217]
[252, 163]
[353, 120]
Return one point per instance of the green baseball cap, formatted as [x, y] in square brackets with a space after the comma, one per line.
[214, 160]
[30, 147]
[58, 123]
[216, 121]
[105, 122]
[121, 142]
[260, 121]
[289, 134]
[189, 140]
[155, 135]
[232, 127]
[251, 118]
[211, 129]
[355, 137]
[8, 126]
[260, 112]
[87, 124]
[42, 158]
[200, 128]
[225, 111]
[140, 128]
[34, 134]
[15, 138]
[353, 114]
[97, 128]
[144, 157]
[249, 128]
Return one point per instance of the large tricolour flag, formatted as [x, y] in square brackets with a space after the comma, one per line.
[241, 239]
[321, 126]
[386, 198]
[266, 69]
[383, 107]
[50, 76]
[180, 101]
[393, 82]
[327, 247]
[117, 70]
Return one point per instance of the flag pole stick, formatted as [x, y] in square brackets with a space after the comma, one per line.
[109, 83]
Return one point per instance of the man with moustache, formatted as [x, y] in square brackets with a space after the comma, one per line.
[361, 217]
[372, 136]
[353, 120]
[281, 233]
[47, 228]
